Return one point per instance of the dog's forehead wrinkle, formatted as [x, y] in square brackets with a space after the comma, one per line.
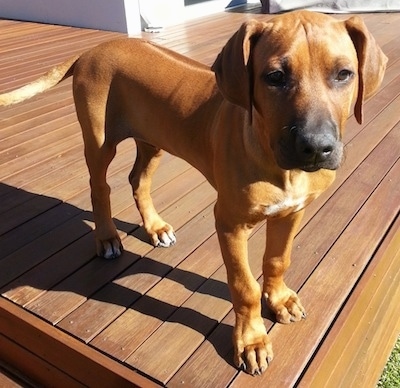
[308, 32]
[298, 50]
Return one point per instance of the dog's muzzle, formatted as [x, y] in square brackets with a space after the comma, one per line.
[310, 147]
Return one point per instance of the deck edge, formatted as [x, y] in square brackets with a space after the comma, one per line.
[27, 339]
[360, 341]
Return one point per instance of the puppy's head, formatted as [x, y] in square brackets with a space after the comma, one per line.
[298, 76]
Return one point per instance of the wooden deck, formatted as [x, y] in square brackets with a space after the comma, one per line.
[163, 316]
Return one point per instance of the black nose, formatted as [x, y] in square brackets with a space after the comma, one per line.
[315, 148]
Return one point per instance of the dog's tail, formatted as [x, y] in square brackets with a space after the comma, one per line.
[45, 82]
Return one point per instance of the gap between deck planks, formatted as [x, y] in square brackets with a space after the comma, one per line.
[178, 297]
[11, 378]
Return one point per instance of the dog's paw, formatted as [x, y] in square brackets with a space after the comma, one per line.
[165, 239]
[110, 248]
[252, 347]
[162, 235]
[285, 304]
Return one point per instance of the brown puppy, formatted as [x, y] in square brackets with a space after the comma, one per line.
[264, 127]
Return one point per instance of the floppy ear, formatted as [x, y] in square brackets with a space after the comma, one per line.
[371, 62]
[231, 66]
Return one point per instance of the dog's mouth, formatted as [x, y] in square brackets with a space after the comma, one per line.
[316, 167]
[311, 167]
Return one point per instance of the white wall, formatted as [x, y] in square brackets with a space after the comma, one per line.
[161, 13]
[111, 15]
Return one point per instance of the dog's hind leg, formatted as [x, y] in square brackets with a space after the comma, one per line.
[108, 242]
[93, 115]
[147, 160]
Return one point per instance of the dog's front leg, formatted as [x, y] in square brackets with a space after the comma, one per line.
[252, 348]
[283, 301]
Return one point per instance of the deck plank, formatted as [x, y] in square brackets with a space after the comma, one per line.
[366, 310]
[122, 311]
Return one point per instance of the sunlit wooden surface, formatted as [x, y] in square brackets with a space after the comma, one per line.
[163, 316]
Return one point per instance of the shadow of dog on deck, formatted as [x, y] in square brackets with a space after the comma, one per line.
[49, 266]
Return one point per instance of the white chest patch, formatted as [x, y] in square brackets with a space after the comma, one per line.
[288, 205]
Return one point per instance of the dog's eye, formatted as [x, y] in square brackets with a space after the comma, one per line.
[344, 76]
[276, 78]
